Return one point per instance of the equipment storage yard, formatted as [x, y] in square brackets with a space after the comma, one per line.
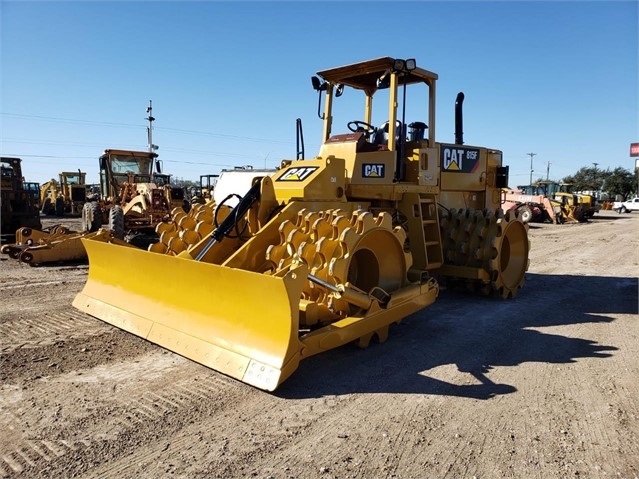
[543, 385]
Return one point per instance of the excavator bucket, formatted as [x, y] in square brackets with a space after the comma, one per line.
[241, 323]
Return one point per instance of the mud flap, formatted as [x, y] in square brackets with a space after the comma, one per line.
[240, 323]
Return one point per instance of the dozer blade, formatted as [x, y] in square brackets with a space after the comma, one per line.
[240, 323]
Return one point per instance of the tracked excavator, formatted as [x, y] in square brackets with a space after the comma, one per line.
[327, 251]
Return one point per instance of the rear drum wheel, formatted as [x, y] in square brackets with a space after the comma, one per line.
[492, 247]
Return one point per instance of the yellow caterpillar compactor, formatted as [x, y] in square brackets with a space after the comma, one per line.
[327, 251]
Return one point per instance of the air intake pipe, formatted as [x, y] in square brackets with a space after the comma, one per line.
[459, 119]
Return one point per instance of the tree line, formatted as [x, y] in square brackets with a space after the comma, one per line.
[607, 183]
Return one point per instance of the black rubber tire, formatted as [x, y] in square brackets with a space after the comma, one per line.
[46, 206]
[579, 214]
[525, 213]
[91, 217]
[59, 206]
[116, 221]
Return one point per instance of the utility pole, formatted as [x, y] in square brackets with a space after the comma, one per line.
[547, 171]
[531, 164]
[149, 129]
[594, 177]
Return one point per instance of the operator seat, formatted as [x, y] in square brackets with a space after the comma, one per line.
[380, 138]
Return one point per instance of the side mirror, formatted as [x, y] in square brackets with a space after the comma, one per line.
[158, 166]
[319, 87]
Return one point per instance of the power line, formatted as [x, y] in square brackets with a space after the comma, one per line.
[100, 147]
[53, 156]
[69, 120]
[128, 125]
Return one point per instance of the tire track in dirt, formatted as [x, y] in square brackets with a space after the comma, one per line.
[129, 418]
[157, 413]
[47, 329]
[593, 426]
[30, 296]
[280, 422]
[30, 454]
[31, 283]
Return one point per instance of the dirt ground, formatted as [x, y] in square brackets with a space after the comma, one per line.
[542, 386]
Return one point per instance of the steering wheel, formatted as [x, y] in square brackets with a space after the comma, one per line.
[357, 125]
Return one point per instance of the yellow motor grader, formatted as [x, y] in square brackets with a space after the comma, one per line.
[134, 195]
[67, 195]
[134, 198]
[326, 251]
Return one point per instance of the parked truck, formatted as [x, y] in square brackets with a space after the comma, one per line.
[627, 206]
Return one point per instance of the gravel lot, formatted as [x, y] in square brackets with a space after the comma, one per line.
[541, 386]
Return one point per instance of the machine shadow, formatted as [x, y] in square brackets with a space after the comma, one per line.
[474, 335]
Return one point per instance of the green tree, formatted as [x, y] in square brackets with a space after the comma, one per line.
[586, 179]
[185, 183]
[621, 182]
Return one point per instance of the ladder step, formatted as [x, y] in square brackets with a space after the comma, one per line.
[433, 265]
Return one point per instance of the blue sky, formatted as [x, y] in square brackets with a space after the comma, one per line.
[229, 79]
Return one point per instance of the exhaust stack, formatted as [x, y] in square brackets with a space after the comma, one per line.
[459, 120]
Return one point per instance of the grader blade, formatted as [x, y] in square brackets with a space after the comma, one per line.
[240, 323]
[57, 245]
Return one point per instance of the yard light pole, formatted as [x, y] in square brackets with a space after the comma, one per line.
[531, 165]
[149, 129]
